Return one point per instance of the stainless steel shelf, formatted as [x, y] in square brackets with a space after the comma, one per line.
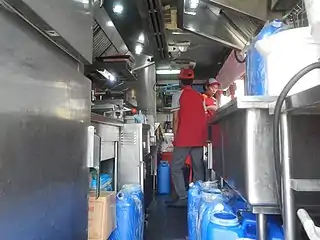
[306, 102]
[107, 121]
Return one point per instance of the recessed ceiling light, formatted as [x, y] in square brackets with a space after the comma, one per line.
[193, 3]
[118, 8]
[167, 71]
[141, 38]
[138, 49]
[110, 24]
[107, 75]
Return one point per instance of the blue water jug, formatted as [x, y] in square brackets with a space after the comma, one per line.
[207, 198]
[255, 83]
[134, 191]
[125, 218]
[224, 225]
[237, 204]
[164, 178]
[193, 208]
[249, 225]
[217, 205]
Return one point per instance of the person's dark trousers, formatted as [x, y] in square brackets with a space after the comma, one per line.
[178, 163]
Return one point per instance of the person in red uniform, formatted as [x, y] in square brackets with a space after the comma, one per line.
[189, 129]
[211, 105]
[211, 88]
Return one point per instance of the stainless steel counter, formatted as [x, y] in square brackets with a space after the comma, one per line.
[243, 155]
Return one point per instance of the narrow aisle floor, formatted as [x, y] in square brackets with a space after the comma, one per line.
[166, 223]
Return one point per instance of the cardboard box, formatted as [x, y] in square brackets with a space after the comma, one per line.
[101, 215]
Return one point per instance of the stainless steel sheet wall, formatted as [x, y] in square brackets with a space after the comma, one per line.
[44, 114]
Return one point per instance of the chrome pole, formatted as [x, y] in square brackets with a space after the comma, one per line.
[288, 209]
[116, 165]
[262, 230]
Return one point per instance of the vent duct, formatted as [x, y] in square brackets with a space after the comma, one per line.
[156, 20]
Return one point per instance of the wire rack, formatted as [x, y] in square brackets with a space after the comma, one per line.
[297, 17]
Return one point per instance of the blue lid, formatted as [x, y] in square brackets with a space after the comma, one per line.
[164, 163]
[226, 219]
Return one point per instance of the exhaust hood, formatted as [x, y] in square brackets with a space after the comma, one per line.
[214, 21]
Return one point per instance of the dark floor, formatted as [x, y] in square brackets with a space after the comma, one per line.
[166, 223]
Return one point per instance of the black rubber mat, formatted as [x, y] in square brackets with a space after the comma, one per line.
[166, 223]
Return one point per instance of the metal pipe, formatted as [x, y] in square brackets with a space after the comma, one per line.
[143, 66]
[262, 232]
[116, 166]
[288, 209]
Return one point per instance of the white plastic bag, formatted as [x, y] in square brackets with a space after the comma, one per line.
[313, 13]
[286, 53]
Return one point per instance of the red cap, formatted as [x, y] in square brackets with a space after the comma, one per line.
[212, 81]
[186, 74]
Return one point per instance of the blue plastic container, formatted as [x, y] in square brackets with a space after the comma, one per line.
[255, 83]
[208, 199]
[237, 204]
[194, 197]
[249, 224]
[216, 206]
[134, 191]
[126, 218]
[164, 178]
[224, 226]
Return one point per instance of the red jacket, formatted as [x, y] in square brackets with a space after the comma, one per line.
[192, 119]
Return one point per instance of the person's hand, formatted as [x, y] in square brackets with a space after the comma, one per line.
[213, 108]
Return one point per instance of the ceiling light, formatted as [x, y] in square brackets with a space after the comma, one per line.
[193, 3]
[118, 8]
[167, 71]
[138, 49]
[107, 75]
[141, 38]
[178, 33]
[110, 24]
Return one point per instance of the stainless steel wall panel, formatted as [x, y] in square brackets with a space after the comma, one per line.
[107, 133]
[305, 137]
[245, 157]
[44, 114]
[132, 150]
